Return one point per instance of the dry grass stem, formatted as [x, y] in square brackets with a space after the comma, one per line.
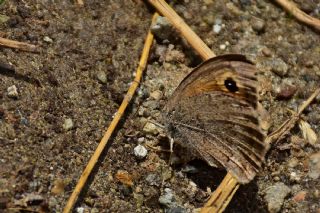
[298, 14]
[284, 129]
[94, 159]
[195, 41]
[18, 45]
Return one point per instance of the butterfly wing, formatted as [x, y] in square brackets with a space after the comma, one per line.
[213, 113]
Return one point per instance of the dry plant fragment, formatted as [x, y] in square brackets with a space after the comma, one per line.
[18, 45]
[80, 2]
[308, 134]
[298, 14]
[124, 177]
[104, 141]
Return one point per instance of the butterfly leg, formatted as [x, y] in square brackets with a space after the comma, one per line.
[171, 150]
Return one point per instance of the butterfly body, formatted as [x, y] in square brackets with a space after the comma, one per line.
[213, 114]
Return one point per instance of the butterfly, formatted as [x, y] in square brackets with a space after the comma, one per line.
[213, 114]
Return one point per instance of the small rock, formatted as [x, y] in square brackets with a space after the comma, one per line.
[293, 162]
[217, 28]
[279, 67]
[300, 196]
[47, 39]
[3, 18]
[102, 77]
[167, 199]
[140, 151]
[139, 199]
[222, 46]
[176, 209]
[285, 91]
[67, 124]
[266, 52]
[153, 179]
[80, 210]
[156, 95]
[150, 128]
[275, 196]
[314, 166]
[12, 91]
[173, 55]
[258, 25]
[160, 52]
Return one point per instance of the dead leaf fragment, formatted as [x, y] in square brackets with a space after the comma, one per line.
[58, 186]
[308, 134]
[124, 177]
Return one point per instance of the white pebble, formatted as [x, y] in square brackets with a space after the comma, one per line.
[12, 91]
[222, 47]
[68, 124]
[140, 151]
[217, 28]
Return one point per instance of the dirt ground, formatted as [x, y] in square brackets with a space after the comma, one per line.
[67, 95]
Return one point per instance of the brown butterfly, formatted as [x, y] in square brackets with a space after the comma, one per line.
[213, 114]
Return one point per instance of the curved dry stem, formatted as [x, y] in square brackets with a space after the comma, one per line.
[299, 14]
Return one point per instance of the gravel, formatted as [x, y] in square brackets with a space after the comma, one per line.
[275, 196]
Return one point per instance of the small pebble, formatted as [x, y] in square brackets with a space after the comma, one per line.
[266, 52]
[153, 179]
[47, 39]
[275, 196]
[279, 67]
[67, 124]
[140, 151]
[167, 199]
[156, 95]
[80, 210]
[12, 91]
[314, 166]
[102, 77]
[217, 28]
[285, 91]
[258, 25]
[222, 46]
[150, 128]
[176, 209]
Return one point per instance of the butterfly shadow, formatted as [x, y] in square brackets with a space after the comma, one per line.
[246, 198]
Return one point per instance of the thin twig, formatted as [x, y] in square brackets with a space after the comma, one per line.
[284, 129]
[299, 14]
[204, 51]
[18, 45]
[94, 159]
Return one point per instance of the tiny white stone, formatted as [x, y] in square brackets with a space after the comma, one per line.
[217, 28]
[140, 140]
[140, 151]
[48, 39]
[68, 124]
[222, 46]
[12, 91]
[80, 210]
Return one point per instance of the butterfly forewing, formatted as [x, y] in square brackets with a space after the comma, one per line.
[213, 112]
